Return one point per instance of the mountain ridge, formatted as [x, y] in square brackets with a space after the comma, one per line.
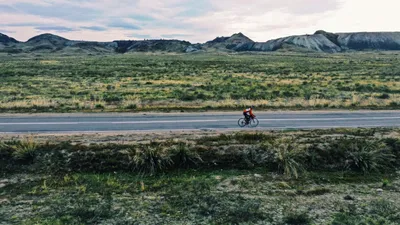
[4, 39]
[320, 41]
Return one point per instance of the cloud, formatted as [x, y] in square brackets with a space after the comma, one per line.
[123, 24]
[242, 7]
[23, 24]
[6, 32]
[311, 6]
[175, 36]
[57, 10]
[140, 36]
[143, 18]
[192, 8]
[55, 28]
[94, 28]
[194, 20]
[7, 9]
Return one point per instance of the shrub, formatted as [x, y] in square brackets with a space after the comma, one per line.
[5, 151]
[184, 157]
[150, 160]
[316, 191]
[356, 154]
[286, 157]
[255, 156]
[297, 218]
[110, 87]
[384, 96]
[188, 96]
[25, 150]
[110, 98]
[131, 106]
[367, 156]
[99, 106]
[394, 144]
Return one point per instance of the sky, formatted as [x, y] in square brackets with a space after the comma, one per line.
[196, 21]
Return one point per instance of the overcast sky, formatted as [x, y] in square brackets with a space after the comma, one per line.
[193, 20]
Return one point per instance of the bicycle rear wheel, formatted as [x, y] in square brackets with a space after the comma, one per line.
[254, 122]
[242, 122]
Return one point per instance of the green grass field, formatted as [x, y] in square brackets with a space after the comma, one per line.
[164, 82]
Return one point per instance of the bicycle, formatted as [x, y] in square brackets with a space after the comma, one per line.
[252, 122]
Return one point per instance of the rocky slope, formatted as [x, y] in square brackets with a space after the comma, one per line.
[236, 42]
[317, 42]
[369, 41]
[320, 41]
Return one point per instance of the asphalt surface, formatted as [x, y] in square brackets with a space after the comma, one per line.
[59, 123]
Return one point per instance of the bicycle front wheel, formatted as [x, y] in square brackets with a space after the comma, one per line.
[254, 122]
[241, 122]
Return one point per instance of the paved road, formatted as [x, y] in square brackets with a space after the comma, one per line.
[215, 121]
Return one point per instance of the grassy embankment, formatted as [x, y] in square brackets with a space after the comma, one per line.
[299, 177]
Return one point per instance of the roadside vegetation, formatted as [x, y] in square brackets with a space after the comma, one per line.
[339, 176]
[167, 82]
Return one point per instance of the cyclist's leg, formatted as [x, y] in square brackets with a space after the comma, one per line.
[246, 117]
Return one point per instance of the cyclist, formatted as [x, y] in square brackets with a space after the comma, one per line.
[248, 114]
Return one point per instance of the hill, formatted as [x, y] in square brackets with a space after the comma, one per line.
[152, 46]
[369, 41]
[236, 42]
[4, 39]
[320, 41]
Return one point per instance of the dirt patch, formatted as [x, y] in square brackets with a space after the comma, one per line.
[114, 137]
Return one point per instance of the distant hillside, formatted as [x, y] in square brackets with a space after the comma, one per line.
[370, 41]
[4, 39]
[316, 42]
[320, 41]
[236, 42]
[45, 42]
[152, 46]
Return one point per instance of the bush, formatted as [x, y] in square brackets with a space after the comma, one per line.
[25, 151]
[384, 96]
[99, 106]
[150, 160]
[5, 151]
[367, 156]
[286, 159]
[188, 97]
[110, 98]
[184, 157]
[394, 145]
[297, 218]
[131, 106]
[254, 157]
[356, 154]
